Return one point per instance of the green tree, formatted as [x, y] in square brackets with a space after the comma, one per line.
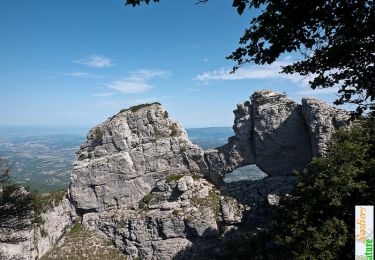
[16, 210]
[317, 220]
[335, 37]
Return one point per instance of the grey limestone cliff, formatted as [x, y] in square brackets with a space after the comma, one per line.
[33, 240]
[138, 179]
[126, 155]
[141, 183]
[277, 134]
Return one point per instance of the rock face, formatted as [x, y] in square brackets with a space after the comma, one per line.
[140, 182]
[138, 179]
[34, 240]
[322, 121]
[178, 213]
[126, 155]
[276, 134]
[54, 225]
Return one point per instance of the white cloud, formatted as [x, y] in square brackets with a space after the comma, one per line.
[137, 81]
[253, 72]
[126, 87]
[320, 91]
[268, 71]
[142, 75]
[97, 61]
[80, 74]
[106, 94]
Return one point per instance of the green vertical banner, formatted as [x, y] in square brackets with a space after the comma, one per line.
[364, 232]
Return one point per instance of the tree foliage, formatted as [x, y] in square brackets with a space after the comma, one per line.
[138, 2]
[16, 210]
[316, 221]
[335, 37]
[4, 171]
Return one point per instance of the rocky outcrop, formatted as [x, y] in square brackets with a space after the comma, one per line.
[126, 155]
[179, 213]
[276, 134]
[30, 236]
[56, 221]
[140, 182]
[322, 120]
[138, 179]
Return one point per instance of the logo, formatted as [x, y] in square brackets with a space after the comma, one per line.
[364, 232]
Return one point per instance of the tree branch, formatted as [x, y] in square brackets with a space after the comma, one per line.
[200, 2]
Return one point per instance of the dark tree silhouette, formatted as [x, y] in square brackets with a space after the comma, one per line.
[4, 171]
[316, 220]
[17, 207]
[335, 37]
[16, 211]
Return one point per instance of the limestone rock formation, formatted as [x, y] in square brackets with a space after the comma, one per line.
[126, 155]
[34, 240]
[276, 134]
[177, 213]
[322, 121]
[141, 183]
[138, 179]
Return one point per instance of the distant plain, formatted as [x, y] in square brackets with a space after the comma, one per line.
[42, 158]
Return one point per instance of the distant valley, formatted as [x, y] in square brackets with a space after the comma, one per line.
[42, 158]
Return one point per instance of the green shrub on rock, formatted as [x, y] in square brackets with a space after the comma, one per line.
[316, 220]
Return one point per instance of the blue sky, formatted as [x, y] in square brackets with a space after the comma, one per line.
[76, 63]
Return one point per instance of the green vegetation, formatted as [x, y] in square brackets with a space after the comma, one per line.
[176, 212]
[183, 148]
[16, 207]
[138, 107]
[98, 134]
[316, 221]
[76, 229]
[81, 243]
[52, 199]
[142, 204]
[166, 115]
[4, 171]
[174, 131]
[211, 201]
[176, 177]
[42, 202]
[196, 177]
[173, 177]
[18, 204]
[43, 232]
[81, 157]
